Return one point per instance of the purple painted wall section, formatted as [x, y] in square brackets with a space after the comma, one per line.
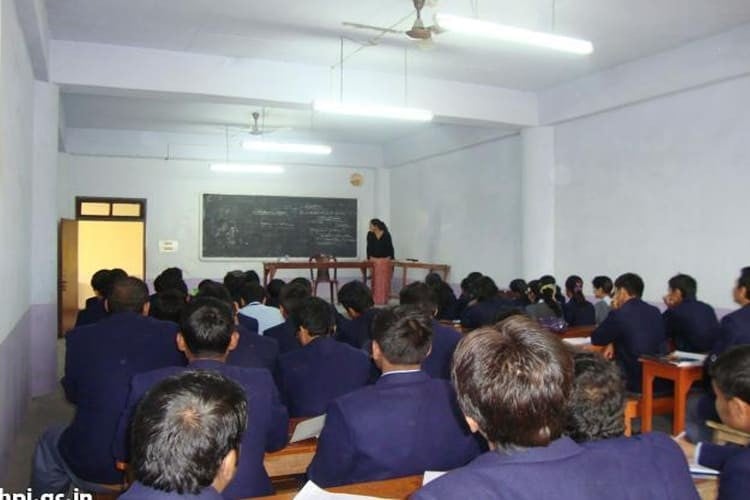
[43, 349]
[14, 387]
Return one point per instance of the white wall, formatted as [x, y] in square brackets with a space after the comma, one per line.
[173, 190]
[461, 208]
[658, 188]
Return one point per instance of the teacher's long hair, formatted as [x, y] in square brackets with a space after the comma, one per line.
[379, 224]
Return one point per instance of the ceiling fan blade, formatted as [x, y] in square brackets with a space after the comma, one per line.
[372, 28]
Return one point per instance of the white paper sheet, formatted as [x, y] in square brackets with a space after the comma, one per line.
[431, 475]
[312, 491]
[309, 428]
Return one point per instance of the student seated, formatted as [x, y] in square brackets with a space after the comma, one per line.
[405, 424]
[168, 279]
[273, 292]
[186, 438]
[635, 328]
[323, 369]
[487, 306]
[467, 293]
[446, 299]
[100, 360]
[734, 329]
[518, 295]
[206, 337]
[731, 383]
[291, 298]
[167, 305]
[101, 282]
[437, 364]
[578, 311]
[253, 298]
[513, 383]
[603, 292]
[596, 405]
[356, 299]
[692, 324]
[547, 309]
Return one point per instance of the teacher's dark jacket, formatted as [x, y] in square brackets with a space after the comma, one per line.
[379, 248]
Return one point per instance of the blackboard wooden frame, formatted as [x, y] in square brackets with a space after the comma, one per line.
[353, 225]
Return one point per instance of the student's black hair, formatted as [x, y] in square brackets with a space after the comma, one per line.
[467, 284]
[443, 294]
[433, 280]
[596, 405]
[379, 224]
[419, 295]
[686, 284]
[209, 288]
[631, 283]
[403, 333]
[744, 281]
[233, 281]
[355, 295]
[273, 290]
[514, 379]
[292, 296]
[547, 290]
[484, 289]
[299, 280]
[128, 294]
[534, 290]
[207, 324]
[183, 428]
[604, 283]
[574, 286]
[314, 314]
[170, 279]
[252, 292]
[168, 305]
[114, 275]
[101, 281]
[519, 286]
[252, 276]
[731, 373]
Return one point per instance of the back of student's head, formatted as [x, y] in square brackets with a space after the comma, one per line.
[685, 284]
[484, 289]
[183, 429]
[168, 305]
[467, 284]
[252, 291]
[603, 283]
[403, 333]
[292, 296]
[356, 296]
[433, 280]
[128, 294]
[299, 280]
[533, 291]
[631, 283]
[596, 405]
[418, 294]
[744, 281]
[574, 286]
[547, 291]
[233, 281]
[273, 291]
[170, 279]
[115, 275]
[206, 325]
[314, 315]
[514, 379]
[731, 373]
[518, 287]
[101, 281]
[251, 276]
[209, 288]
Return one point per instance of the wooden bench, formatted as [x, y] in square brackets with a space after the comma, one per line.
[661, 406]
[724, 434]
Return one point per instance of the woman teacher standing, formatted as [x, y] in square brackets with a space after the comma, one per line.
[380, 252]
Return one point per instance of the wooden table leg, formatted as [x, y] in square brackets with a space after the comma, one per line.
[647, 400]
[681, 388]
[403, 283]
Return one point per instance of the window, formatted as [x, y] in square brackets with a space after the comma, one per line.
[110, 208]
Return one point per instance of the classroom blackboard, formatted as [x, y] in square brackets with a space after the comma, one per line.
[248, 226]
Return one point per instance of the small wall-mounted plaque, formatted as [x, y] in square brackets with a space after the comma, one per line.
[168, 246]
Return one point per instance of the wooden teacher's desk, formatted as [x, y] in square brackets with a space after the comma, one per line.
[270, 268]
[683, 377]
[398, 488]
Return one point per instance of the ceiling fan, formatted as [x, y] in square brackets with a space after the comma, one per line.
[257, 127]
[418, 31]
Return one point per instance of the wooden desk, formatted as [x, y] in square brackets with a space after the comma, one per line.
[294, 458]
[399, 488]
[683, 378]
[406, 265]
[270, 268]
[577, 332]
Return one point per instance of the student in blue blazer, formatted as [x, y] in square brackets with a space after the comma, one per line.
[100, 360]
[636, 328]
[489, 305]
[207, 335]
[292, 295]
[577, 310]
[356, 299]
[405, 424]
[323, 369]
[513, 382]
[437, 364]
[186, 438]
[692, 324]
[731, 382]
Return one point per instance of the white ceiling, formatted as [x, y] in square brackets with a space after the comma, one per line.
[308, 31]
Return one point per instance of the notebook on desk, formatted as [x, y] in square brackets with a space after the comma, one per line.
[679, 358]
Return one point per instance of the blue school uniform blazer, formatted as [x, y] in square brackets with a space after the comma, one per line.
[636, 328]
[316, 374]
[286, 336]
[647, 467]
[693, 326]
[444, 341]
[254, 351]
[356, 332]
[93, 312]
[733, 463]
[267, 421]
[484, 313]
[138, 491]
[404, 424]
[579, 313]
[100, 360]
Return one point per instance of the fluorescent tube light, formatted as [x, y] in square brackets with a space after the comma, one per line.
[367, 110]
[283, 147]
[468, 26]
[245, 168]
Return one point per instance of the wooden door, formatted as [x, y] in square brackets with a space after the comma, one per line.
[67, 295]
